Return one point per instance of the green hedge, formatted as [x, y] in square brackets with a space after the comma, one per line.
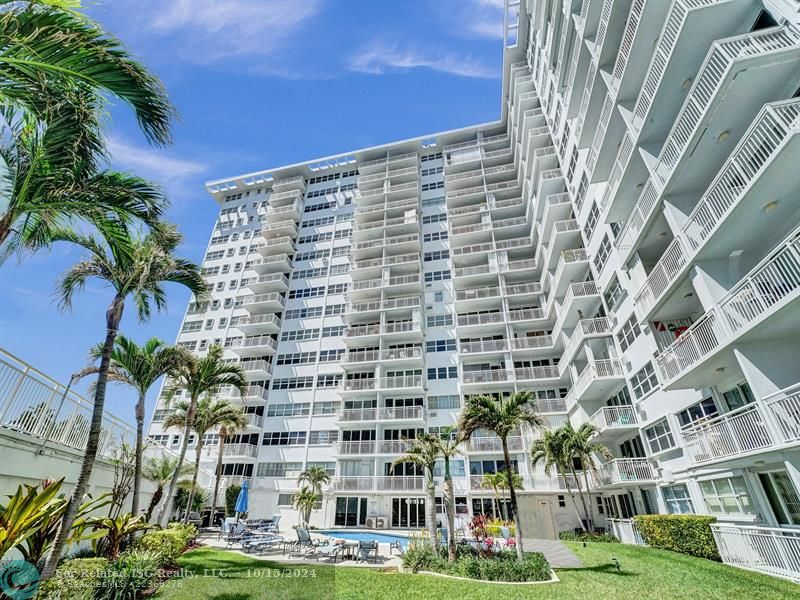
[75, 579]
[687, 534]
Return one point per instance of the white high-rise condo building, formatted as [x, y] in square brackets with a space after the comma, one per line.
[624, 242]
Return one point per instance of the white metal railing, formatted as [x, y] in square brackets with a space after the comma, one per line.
[614, 416]
[770, 550]
[626, 531]
[34, 404]
[773, 282]
[784, 409]
[737, 432]
[622, 470]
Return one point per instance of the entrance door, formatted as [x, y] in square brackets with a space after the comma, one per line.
[351, 511]
[408, 513]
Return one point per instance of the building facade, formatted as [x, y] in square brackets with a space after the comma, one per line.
[624, 242]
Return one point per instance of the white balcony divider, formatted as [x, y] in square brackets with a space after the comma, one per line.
[626, 531]
[784, 409]
[769, 550]
[772, 283]
[610, 417]
[737, 432]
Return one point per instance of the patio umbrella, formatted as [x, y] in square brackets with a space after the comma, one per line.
[242, 500]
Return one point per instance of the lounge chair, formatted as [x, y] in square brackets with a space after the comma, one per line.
[367, 549]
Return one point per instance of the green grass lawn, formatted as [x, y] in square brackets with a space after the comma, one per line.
[646, 573]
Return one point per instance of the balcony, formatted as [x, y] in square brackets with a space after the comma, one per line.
[256, 345]
[259, 324]
[612, 420]
[355, 448]
[770, 550]
[749, 309]
[622, 472]
[262, 303]
[598, 380]
[493, 444]
[271, 282]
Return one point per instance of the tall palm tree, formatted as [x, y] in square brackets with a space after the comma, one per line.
[137, 269]
[580, 445]
[56, 69]
[199, 376]
[225, 429]
[449, 442]
[138, 367]
[315, 477]
[498, 483]
[159, 470]
[209, 415]
[550, 450]
[502, 416]
[423, 452]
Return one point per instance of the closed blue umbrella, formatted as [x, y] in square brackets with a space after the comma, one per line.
[242, 500]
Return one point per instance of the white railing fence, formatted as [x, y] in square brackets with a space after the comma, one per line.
[770, 550]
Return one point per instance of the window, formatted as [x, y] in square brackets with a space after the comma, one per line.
[443, 373]
[437, 276]
[439, 320]
[727, 496]
[644, 381]
[440, 346]
[284, 438]
[705, 409]
[677, 499]
[436, 236]
[323, 437]
[436, 255]
[659, 437]
[628, 333]
[444, 402]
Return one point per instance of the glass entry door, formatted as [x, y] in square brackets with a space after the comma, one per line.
[408, 512]
[351, 511]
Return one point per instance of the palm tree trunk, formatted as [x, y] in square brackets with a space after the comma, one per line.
[113, 318]
[449, 507]
[198, 451]
[137, 466]
[580, 493]
[513, 496]
[430, 511]
[173, 483]
[218, 473]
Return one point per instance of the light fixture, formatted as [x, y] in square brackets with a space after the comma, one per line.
[723, 136]
[770, 206]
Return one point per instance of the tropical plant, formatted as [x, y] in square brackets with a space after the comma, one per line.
[423, 452]
[449, 442]
[304, 501]
[117, 529]
[550, 450]
[199, 376]
[137, 268]
[57, 67]
[502, 416]
[580, 445]
[138, 367]
[209, 415]
[159, 470]
[315, 476]
[498, 483]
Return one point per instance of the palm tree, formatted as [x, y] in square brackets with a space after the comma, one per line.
[56, 69]
[304, 501]
[579, 445]
[423, 452]
[315, 477]
[225, 429]
[209, 414]
[199, 376]
[498, 483]
[550, 450]
[138, 268]
[502, 416]
[159, 470]
[449, 442]
[138, 367]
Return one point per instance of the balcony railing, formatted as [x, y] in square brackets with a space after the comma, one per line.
[624, 470]
[738, 432]
[769, 550]
[772, 283]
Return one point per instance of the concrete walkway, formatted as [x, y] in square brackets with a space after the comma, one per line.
[556, 553]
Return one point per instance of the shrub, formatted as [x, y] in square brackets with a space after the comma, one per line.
[133, 572]
[75, 579]
[586, 536]
[687, 534]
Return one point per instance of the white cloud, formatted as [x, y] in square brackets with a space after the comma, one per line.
[206, 31]
[378, 58]
[152, 163]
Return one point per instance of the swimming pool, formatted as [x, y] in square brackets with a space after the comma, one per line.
[363, 536]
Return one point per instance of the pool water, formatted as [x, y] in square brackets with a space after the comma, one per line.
[364, 536]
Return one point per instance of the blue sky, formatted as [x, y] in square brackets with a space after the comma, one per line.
[259, 84]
